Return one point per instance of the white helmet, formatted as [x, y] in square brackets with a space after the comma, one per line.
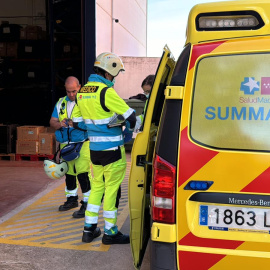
[109, 62]
[55, 170]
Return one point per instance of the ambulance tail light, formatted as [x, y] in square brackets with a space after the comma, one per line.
[163, 191]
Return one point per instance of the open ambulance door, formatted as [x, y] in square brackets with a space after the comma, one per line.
[141, 161]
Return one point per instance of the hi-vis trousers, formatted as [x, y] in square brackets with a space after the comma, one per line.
[109, 168]
[79, 169]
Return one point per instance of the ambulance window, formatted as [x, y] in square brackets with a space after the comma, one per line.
[159, 99]
[160, 96]
[180, 71]
[231, 102]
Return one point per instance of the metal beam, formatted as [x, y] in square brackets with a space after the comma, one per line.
[52, 55]
[88, 37]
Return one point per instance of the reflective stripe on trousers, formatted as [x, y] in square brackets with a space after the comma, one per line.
[70, 193]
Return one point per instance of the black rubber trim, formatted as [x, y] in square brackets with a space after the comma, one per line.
[180, 71]
[163, 255]
[231, 198]
[168, 136]
[169, 126]
[102, 99]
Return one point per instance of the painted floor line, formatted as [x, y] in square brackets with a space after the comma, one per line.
[40, 224]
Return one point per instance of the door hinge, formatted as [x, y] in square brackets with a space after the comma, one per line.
[174, 92]
[141, 161]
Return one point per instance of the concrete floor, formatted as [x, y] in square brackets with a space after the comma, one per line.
[23, 185]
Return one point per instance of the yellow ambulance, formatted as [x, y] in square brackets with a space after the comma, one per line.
[199, 185]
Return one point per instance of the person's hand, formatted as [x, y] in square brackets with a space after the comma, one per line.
[138, 124]
[127, 135]
[63, 123]
[70, 122]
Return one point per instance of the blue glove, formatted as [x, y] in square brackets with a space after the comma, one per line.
[127, 137]
[128, 127]
[127, 133]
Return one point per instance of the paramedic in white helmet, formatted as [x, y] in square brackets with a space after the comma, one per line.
[98, 103]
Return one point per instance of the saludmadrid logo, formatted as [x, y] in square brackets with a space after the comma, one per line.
[249, 87]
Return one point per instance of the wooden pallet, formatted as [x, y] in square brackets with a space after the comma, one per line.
[37, 157]
[10, 157]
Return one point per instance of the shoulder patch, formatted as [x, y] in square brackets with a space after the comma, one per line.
[88, 89]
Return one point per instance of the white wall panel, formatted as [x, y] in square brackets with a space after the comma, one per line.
[128, 36]
[106, 5]
[132, 17]
[103, 30]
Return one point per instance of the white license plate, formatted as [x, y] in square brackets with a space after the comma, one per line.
[232, 218]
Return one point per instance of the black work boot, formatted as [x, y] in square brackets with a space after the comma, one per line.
[71, 202]
[80, 213]
[89, 235]
[118, 238]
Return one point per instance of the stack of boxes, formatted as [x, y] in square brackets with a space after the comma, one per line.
[22, 50]
[32, 32]
[9, 49]
[47, 143]
[35, 140]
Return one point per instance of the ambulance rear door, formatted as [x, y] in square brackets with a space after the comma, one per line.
[141, 161]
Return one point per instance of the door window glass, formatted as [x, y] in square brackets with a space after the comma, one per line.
[231, 102]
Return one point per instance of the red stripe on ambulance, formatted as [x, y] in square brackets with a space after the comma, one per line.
[196, 260]
[192, 158]
[200, 49]
[192, 240]
[260, 184]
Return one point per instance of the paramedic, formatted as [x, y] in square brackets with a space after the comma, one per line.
[78, 169]
[98, 103]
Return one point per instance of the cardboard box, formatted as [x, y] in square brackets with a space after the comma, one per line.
[32, 32]
[33, 35]
[27, 147]
[12, 49]
[10, 32]
[49, 130]
[33, 49]
[29, 133]
[47, 143]
[33, 28]
[23, 33]
[3, 49]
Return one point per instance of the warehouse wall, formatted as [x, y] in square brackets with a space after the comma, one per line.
[128, 37]
[24, 62]
[24, 12]
[28, 71]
